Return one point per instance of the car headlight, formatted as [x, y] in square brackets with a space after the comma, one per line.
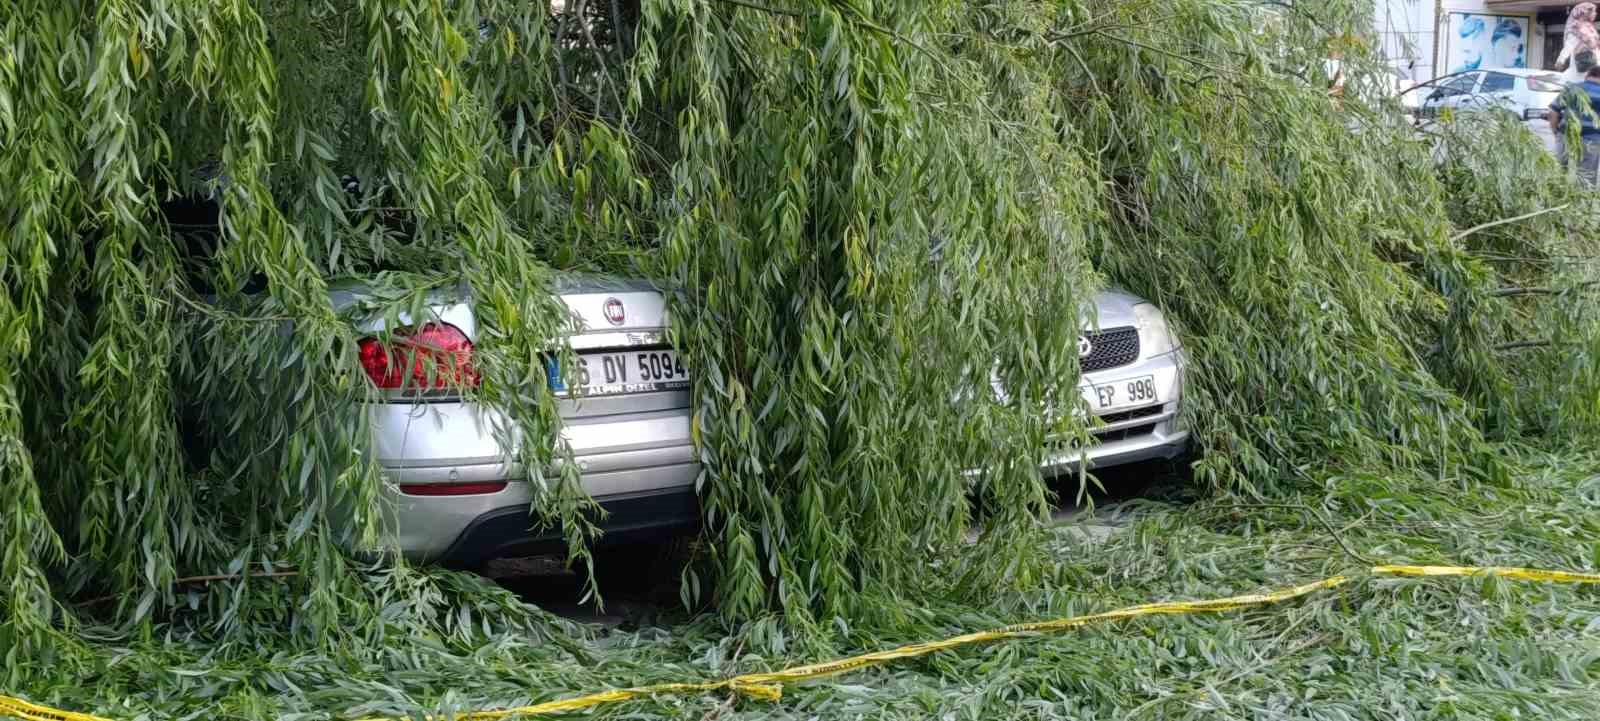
[1155, 336]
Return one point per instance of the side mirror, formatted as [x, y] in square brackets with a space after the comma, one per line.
[1437, 94]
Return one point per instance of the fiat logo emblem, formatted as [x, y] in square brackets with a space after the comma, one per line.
[1084, 346]
[615, 312]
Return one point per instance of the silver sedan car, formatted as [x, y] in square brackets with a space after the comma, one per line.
[459, 499]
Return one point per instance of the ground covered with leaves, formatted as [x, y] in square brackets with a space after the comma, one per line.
[1375, 649]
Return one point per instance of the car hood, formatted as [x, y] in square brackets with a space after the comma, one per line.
[1113, 308]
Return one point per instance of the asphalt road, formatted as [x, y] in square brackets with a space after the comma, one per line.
[640, 583]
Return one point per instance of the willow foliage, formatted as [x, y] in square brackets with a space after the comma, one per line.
[881, 222]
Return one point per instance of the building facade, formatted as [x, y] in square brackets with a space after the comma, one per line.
[1425, 39]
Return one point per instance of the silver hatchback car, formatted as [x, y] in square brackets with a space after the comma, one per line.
[1132, 383]
[460, 500]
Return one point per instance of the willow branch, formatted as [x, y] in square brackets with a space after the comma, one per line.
[1161, 51]
[207, 579]
[1504, 221]
[1322, 520]
[761, 8]
[1516, 291]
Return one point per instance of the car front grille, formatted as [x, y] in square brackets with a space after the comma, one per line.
[1123, 416]
[1110, 348]
[1123, 434]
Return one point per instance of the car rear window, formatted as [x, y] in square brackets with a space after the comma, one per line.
[1545, 83]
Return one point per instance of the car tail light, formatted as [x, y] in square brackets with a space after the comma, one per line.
[1546, 84]
[436, 355]
[452, 489]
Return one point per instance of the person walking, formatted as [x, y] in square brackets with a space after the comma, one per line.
[1580, 45]
[1582, 102]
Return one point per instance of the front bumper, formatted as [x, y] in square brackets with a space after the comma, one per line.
[1130, 435]
[1132, 442]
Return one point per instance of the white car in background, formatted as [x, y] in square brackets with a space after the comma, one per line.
[1525, 92]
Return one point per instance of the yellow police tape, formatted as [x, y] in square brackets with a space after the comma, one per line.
[769, 685]
[17, 708]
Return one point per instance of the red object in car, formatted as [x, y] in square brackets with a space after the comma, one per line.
[436, 355]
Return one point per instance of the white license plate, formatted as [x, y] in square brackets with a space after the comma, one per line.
[1119, 394]
[613, 372]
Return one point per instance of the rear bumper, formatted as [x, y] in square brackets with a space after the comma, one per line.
[461, 530]
[510, 532]
[635, 461]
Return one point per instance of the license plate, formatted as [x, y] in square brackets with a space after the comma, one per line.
[1118, 394]
[612, 373]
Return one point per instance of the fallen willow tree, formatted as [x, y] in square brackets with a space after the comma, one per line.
[867, 211]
